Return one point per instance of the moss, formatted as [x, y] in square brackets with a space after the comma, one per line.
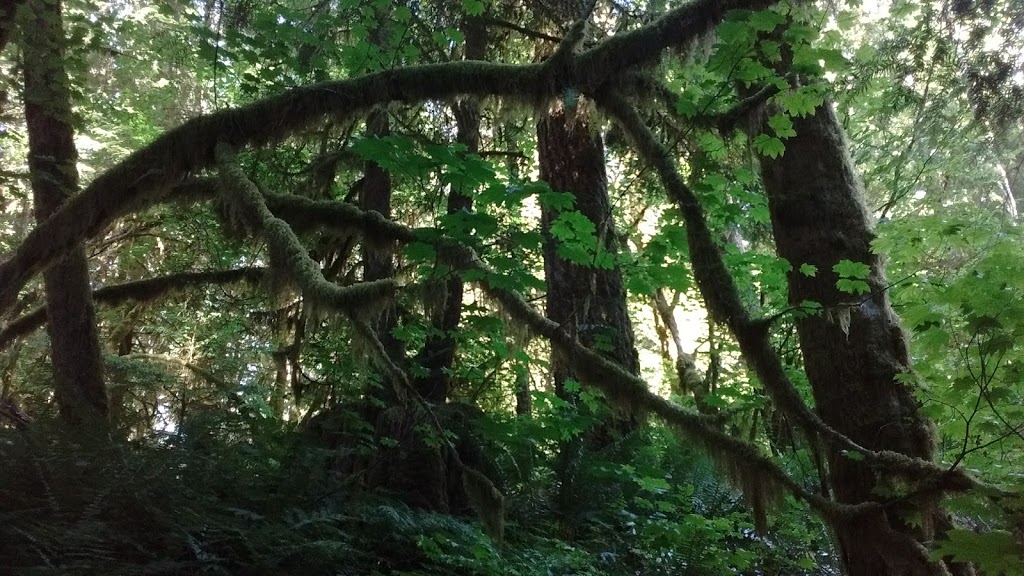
[147, 175]
[289, 258]
[487, 500]
[139, 291]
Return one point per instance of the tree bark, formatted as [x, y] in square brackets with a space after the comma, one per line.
[378, 262]
[438, 351]
[588, 302]
[855, 351]
[74, 342]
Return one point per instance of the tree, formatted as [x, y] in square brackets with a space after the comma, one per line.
[421, 442]
[74, 343]
[855, 350]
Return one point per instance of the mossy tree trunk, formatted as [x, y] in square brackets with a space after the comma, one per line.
[587, 301]
[74, 342]
[855, 351]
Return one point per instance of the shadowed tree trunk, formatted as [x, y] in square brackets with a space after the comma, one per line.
[423, 471]
[74, 342]
[378, 263]
[413, 469]
[588, 302]
[856, 350]
[438, 352]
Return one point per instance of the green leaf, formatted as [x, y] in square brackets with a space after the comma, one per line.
[713, 145]
[573, 252]
[604, 260]
[766, 20]
[800, 34]
[800, 102]
[735, 33]
[769, 146]
[402, 14]
[808, 270]
[556, 201]
[852, 286]
[771, 50]
[759, 213]
[750, 71]
[782, 125]
[473, 7]
[686, 105]
[995, 551]
[654, 485]
[849, 269]
[456, 35]
[420, 251]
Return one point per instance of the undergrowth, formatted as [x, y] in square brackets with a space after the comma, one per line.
[251, 497]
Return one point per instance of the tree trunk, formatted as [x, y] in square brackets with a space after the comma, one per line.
[588, 302]
[378, 263]
[74, 342]
[438, 351]
[855, 350]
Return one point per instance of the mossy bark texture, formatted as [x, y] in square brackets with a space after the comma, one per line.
[74, 342]
[855, 351]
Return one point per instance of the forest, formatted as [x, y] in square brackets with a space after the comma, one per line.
[523, 287]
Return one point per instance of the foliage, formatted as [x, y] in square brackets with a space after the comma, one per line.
[247, 419]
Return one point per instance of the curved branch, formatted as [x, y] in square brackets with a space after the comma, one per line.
[724, 305]
[622, 388]
[157, 168]
[286, 250]
[138, 291]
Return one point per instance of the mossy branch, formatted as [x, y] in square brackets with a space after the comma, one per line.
[724, 305]
[716, 285]
[763, 479]
[287, 253]
[742, 460]
[138, 291]
[154, 170]
[573, 37]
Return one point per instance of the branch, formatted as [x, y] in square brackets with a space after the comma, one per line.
[141, 290]
[524, 31]
[622, 388]
[574, 36]
[140, 179]
[286, 250]
[724, 305]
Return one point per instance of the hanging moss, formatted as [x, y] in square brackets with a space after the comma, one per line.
[289, 258]
[151, 172]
